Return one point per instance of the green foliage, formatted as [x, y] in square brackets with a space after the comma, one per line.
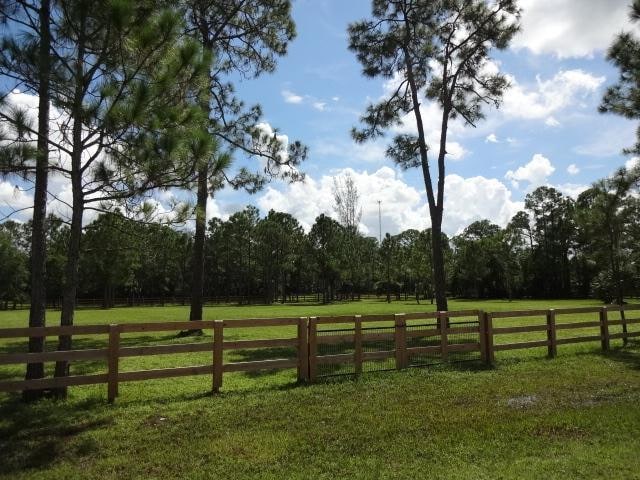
[623, 98]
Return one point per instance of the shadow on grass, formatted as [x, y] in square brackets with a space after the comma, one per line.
[35, 435]
[629, 355]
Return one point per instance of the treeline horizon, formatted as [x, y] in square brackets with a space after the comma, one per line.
[557, 247]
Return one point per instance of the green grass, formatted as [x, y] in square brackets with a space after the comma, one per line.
[577, 416]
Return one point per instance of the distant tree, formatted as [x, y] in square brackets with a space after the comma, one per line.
[623, 98]
[438, 50]
[13, 272]
[347, 201]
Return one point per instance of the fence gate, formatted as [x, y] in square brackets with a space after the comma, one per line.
[353, 345]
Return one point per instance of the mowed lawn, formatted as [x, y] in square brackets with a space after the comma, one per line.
[576, 416]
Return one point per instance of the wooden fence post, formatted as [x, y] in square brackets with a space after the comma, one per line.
[604, 328]
[218, 347]
[357, 343]
[482, 336]
[444, 343]
[113, 362]
[400, 340]
[313, 349]
[488, 323]
[303, 354]
[551, 333]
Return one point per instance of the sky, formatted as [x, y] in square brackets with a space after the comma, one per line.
[547, 132]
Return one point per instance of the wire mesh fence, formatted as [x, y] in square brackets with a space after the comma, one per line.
[378, 346]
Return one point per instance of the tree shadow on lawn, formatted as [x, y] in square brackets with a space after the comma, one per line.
[629, 355]
[35, 435]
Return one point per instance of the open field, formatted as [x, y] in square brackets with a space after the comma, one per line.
[576, 416]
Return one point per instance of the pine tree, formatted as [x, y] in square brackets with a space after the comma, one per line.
[438, 50]
[623, 98]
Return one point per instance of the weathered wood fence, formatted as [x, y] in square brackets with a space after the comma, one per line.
[405, 340]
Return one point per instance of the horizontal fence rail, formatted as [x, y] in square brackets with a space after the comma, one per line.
[326, 346]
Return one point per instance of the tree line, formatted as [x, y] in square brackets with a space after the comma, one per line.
[557, 247]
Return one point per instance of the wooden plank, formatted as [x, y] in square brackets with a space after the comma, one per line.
[551, 334]
[45, 383]
[423, 333]
[261, 322]
[313, 349]
[458, 314]
[333, 359]
[165, 373]
[372, 337]
[568, 326]
[303, 354]
[604, 329]
[459, 330]
[422, 350]
[263, 343]
[332, 320]
[628, 321]
[566, 341]
[570, 311]
[218, 361]
[520, 329]
[515, 346]
[261, 365]
[380, 355]
[68, 355]
[624, 335]
[463, 347]
[165, 349]
[357, 353]
[519, 313]
[165, 326]
[113, 362]
[400, 340]
[50, 331]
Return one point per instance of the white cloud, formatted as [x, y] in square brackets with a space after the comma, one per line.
[491, 138]
[535, 173]
[476, 198]
[632, 163]
[571, 189]
[573, 169]
[549, 96]
[570, 28]
[402, 205]
[319, 106]
[552, 122]
[291, 97]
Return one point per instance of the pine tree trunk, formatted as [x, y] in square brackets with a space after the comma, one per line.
[197, 281]
[37, 311]
[439, 279]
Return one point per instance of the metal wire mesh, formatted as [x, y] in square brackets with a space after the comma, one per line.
[378, 345]
[343, 342]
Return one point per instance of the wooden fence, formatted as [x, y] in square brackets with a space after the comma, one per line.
[402, 339]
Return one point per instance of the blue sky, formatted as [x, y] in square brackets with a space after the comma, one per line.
[548, 131]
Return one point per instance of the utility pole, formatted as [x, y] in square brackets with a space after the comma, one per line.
[379, 222]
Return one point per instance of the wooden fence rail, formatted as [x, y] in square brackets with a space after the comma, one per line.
[400, 331]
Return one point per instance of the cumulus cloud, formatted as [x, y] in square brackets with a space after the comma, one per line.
[632, 163]
[402, 205]
[550, 96]
[570, 28]
[291, 97]
[535, 173]
[491, 138]
[573, 169]
[552, 122]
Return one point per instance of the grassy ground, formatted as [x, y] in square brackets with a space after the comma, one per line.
[577, 416]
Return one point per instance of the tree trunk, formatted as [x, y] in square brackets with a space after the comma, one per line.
[37, 311]
[439, 279]
[197, 282]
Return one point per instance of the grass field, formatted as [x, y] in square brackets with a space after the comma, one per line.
[577, 416]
